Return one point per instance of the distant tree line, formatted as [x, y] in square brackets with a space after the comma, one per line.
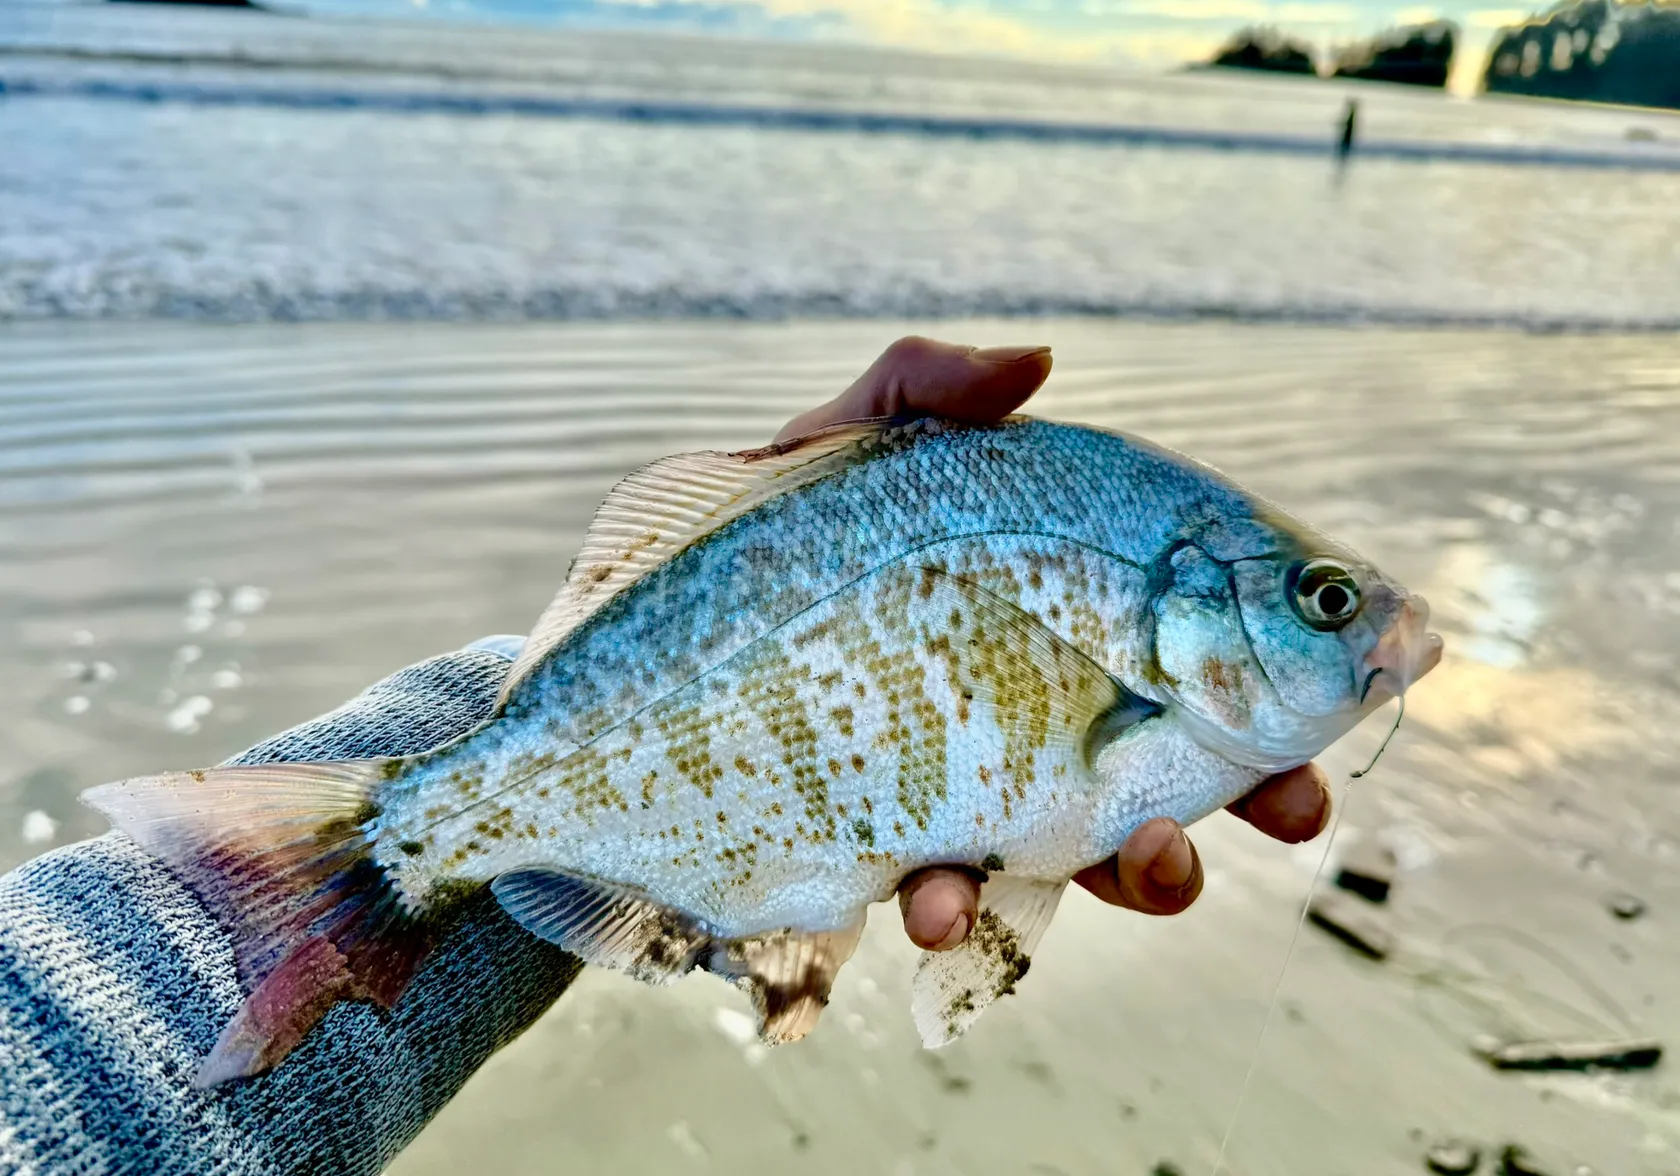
[1592, 50]
[1587, 50]
[1418, 55]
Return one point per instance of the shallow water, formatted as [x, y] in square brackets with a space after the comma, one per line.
[207, 533]
[237, 166]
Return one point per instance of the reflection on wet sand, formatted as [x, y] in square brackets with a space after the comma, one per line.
[209, 534]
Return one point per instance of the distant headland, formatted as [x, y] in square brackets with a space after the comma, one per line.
[1585, 50]
[1594, 51]
[199, 3]
[1416, 55]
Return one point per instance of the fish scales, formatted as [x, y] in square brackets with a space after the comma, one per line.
[1007, 508]
[913, 488]
[844, 737]
[776, 683]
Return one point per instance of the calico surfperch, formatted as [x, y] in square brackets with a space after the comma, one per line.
[776, 682]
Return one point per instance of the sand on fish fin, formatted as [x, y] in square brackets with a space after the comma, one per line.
[280, 855]
[661, 509]
[788, 974]
[952, 988]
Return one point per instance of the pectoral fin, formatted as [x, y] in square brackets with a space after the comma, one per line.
[602, 923]
[952, 988]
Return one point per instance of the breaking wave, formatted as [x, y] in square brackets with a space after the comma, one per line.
[267, 303]
[469, 103]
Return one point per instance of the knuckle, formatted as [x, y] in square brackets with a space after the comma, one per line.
[909, 350]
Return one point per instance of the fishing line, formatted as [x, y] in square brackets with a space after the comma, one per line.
[1300, 921]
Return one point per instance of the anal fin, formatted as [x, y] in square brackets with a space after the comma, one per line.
[952, 988]
[603, 923]
[788, 974]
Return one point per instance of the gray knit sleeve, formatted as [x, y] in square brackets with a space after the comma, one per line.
[114, 983]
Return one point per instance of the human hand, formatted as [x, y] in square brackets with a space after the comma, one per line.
[1157, 870]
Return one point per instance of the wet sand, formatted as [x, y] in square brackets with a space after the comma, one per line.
[209, 533]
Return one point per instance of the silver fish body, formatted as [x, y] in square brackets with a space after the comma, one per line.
[776, 683]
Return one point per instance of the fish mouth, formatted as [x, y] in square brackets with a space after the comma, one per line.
[1405, 652]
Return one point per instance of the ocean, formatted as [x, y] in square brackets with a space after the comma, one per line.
[321, 341]
[240, 166]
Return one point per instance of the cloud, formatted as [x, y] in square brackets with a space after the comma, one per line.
[1165, 47]
[1253, 11]
[1497, 18]
[1416, 16]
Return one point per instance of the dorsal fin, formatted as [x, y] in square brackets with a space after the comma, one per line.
[662, 508]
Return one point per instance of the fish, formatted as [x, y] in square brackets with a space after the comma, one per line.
[776, 682]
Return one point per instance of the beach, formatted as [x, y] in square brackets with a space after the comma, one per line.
[211, 531]
[322, 337]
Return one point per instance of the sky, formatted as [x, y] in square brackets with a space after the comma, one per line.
[1151, 33]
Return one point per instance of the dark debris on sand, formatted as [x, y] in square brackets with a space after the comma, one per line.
[1353, 925]
[1626, 1054]
[1515, 1161]
[1367, 872]
[1626, 906]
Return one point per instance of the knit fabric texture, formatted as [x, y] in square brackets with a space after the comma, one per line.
[115, 982]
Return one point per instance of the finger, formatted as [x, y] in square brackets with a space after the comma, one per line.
[1157, 871]
[917, 375]
[939, 906]
[1293, 806]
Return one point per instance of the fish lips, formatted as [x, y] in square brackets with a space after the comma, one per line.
[1405, 652]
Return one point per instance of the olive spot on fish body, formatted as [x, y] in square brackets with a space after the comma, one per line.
[1221, 676]
[600, 572]
[992, 863]
[411, 848]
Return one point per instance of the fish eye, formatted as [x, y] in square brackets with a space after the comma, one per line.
[1325, 594]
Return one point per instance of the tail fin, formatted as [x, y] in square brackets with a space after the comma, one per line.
[279, 854]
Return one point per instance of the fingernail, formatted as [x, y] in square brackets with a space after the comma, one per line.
[1008, 354]
[958, 932]
[1172, 866]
